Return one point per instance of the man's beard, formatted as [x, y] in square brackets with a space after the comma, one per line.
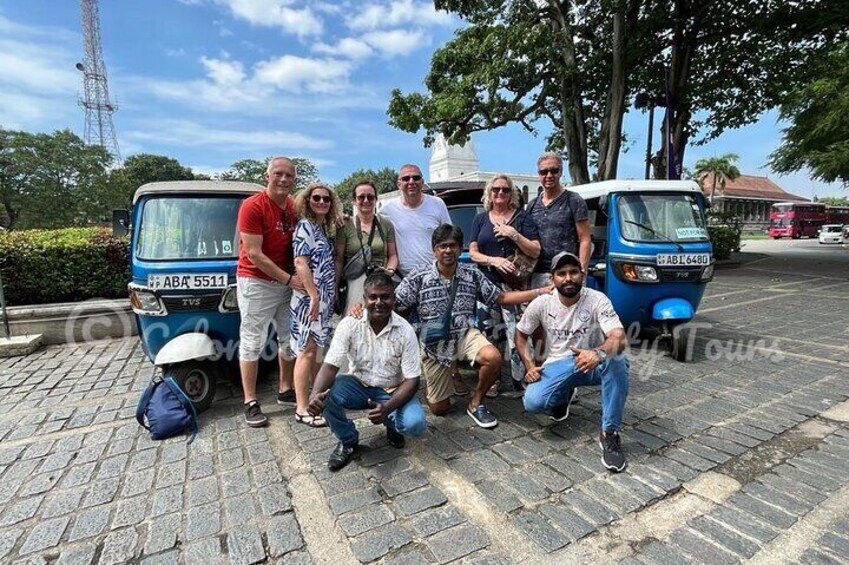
[570, 292]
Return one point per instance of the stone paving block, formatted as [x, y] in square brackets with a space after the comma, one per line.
[797, 489]
[814, 557]
[336, 484]
[594, 511]
[440, 446]
[418, 500]
[201, 491]
[274, 499]
[23, 510]
[284, 535]
[244, 545]
[654, 477]
[403, 482]
[40, 484]
[762, 510]
[689, 459]
[512, 454]
[469, 468]
[260, 453]
[202, 521]
[503, 497]
[567, 521]
[539, 530]
[373, 516]
[167, 558]
[265, 474]
[175, 451]
[429, 522]
[636, 488]
[489, 560]
[56, 462]
[345, 502]
[230, 459]
[657, 553]
[204, 552]
[528, 489]
[724, 537]
[569, 468]
[200, 466]
[167, 500]
[788, 503]
[457, 542]
[139, 482]
[240, 510]
[234, 483]
[171, 474]
[377, 543]
[44, 534]
[609, 495]
[699, 548]
[724, 445]
[834, 543]
[750, 430]
[464, 440]
[548, 477]
[162, 533]
[90, 522]
[119, 547]
[129, 512]
[413, 557]
[811, 478]
[705, 452]
[77, 555]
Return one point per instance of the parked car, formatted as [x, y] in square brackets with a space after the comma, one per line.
[831, 233]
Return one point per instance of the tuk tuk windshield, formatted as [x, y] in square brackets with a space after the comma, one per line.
[188, 228]
[661, 217]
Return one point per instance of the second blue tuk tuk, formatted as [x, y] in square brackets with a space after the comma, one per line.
[651, 254]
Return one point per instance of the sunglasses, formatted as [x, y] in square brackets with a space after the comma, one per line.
[319, 198]
[501, 189]
[408, 178]
[551, 171]
[366, 197]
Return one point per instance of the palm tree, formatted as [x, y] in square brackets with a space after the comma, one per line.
[721, 168]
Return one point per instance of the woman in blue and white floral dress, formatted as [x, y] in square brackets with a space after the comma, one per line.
[320, 211]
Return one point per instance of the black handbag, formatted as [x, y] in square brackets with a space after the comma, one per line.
[437, 331]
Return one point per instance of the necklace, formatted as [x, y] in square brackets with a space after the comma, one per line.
[499, 219]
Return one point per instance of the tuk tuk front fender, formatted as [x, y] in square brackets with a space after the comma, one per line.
[672, 309]
[185, 347]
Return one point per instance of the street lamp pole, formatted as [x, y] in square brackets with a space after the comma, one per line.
[645, 100]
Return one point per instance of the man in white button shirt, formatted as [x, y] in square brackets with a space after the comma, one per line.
[384, 363]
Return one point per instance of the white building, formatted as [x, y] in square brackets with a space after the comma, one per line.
[459, 163]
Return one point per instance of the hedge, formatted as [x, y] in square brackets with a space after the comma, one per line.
[67, 265]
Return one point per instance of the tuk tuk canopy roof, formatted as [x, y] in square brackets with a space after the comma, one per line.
[197, 186]
[598, 189]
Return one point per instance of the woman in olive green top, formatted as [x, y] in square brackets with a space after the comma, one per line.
[351, 241]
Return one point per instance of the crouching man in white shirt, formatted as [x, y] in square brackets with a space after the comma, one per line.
[384, 363]
[586, 341]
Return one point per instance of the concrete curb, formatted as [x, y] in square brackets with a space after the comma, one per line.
[74, 321]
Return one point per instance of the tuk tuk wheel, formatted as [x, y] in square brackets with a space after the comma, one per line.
[197, 379]
[680, 347]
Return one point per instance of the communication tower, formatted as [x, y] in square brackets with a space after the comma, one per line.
[98, 108]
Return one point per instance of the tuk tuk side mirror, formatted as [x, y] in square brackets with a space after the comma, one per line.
[120, 223]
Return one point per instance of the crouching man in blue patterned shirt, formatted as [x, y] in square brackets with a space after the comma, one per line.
[428, 291]
[384, 369]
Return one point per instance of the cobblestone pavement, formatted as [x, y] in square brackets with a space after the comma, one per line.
[738, 455]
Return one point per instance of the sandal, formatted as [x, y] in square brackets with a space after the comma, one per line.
[493, 391]
[460, 387]
[311, 421]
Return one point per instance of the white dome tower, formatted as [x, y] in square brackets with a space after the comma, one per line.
[452, 162]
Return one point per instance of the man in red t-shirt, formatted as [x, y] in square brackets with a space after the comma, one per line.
[265, 279]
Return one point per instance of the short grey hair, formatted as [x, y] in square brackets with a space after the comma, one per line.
[280, 158]
[550, 155]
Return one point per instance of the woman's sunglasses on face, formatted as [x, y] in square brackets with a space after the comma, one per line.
[501, 189]
[366, 198]
[319, 198]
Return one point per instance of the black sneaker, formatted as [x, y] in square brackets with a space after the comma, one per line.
[482, 416]
[287, 397]
[611, 451]
[560, 413]
[254, 416]
[395, 439]
[340, 457]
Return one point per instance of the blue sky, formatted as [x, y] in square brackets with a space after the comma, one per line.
[209, 82]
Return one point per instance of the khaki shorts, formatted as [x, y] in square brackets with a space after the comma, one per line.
[438, 377]
[262, 302]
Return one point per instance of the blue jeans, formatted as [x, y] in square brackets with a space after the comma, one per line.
[348, 393]
[561, 376]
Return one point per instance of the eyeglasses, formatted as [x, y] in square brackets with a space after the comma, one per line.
[319, 198]
[502, 189]
[447, 246]
[366, 198]
[551, 171]
[408, 178]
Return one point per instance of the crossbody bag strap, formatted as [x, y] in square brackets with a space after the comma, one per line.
[455, 283]
[186, 402]
[143, 402]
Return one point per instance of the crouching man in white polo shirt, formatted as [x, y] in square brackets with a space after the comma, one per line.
[384, 363]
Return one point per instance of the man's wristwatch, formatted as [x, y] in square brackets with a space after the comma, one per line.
[602, 355]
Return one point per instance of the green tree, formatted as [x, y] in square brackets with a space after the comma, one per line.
[833, 200]
[574, 68]
[818, 113]
[385, 180]
[51, 180]
[144, 168]
[721, 169]
[253, 170]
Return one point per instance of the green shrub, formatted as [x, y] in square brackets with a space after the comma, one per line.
[725, 230]
[67, 265]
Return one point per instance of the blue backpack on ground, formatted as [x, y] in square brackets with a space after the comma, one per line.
[165, 410]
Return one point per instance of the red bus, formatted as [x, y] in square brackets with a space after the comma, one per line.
[796, 219]
[837, 215]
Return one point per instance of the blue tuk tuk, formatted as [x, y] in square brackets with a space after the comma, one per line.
[651, 254]
[184, 251]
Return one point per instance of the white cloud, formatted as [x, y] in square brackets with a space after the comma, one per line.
[348, 47]
[302, 22]
[395, 13]
[397, 42]
[224, 72]
[301, 74]
[184, 133]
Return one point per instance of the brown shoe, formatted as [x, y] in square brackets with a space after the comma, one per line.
[460, 387]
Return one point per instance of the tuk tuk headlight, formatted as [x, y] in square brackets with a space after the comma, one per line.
[229, 302]
[707, 274]
[639, 273]
[145, 302]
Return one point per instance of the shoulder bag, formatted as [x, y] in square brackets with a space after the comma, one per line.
[436, 331]
[358, 264]
[523, 263]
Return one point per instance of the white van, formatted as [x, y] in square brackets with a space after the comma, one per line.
[831, 233]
